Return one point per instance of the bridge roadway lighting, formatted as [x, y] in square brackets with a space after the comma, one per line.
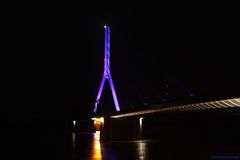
[98, 120]
[225, 103]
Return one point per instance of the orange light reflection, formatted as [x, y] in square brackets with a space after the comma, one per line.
[97, 155]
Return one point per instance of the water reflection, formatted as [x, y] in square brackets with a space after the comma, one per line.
[97, 155]
[141, 150]
[73, 137]
[73, 140]
[97, 136]
[88, 146]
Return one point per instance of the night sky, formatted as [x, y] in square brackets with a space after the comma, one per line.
[160, 53]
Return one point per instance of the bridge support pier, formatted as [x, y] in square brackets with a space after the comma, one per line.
[119, 129]
[106, 129]
[126, 129]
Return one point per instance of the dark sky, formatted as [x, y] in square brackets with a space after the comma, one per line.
[160, 53]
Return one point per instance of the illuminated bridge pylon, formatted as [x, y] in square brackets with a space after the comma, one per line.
[107, 73]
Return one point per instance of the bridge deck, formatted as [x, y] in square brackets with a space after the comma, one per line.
[227, 103]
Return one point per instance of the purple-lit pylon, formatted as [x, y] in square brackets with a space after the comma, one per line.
[107, 73]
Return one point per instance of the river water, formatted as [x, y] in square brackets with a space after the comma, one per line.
[88, 147]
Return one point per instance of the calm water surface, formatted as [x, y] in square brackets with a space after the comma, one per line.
[88, 147]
